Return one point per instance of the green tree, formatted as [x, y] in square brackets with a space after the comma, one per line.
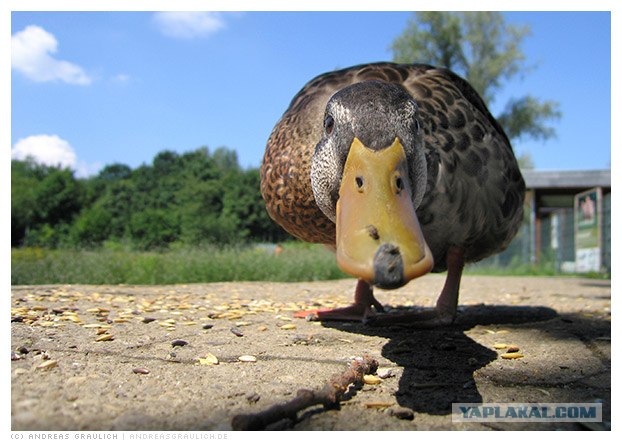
[24, 182]
[119, 201]
[243, 201]
[226, 159]
[485, 50]
[201, 204]
[44, 202]
[195, 198]
[153, 229]
[57, 197]
[114, 172]
[92, 226]
[95, 187]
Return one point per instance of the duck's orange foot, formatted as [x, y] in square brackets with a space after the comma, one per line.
[361, 310]
[355, 312]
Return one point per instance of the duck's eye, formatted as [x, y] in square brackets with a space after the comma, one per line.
[329, 124]
[359, 182]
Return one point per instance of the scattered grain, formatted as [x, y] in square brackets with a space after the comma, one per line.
[371, 379]
[209, 359]
[104, 337]
[378, 404]
[288, 327]
[50, 363]
[512, 355]
[237, 332]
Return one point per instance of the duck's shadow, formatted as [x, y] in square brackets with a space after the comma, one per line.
[439, 363]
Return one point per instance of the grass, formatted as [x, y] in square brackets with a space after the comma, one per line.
[517, 268]
[116, 265]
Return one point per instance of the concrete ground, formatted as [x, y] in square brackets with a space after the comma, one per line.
[143, 357]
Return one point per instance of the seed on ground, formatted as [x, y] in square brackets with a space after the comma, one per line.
[247, 358]
[512, 355]
[179, 343]
[209, 359]
[370, 379]
[51, 363]
[237, 332]
[500, 346]
[288, 327]
[378, 404]
[141, 370]
[513, 349]
[104, 337]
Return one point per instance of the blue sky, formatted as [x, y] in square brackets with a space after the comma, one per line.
[94, 88]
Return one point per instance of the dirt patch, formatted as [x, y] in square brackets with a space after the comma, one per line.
[190, 357]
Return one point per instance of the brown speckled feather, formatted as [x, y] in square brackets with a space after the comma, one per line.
[475, 191]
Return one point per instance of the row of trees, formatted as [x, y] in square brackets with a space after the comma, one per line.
[191, 198]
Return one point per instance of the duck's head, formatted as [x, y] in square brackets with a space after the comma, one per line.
[369, 176]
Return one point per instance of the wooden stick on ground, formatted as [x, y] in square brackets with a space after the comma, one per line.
[329, 396]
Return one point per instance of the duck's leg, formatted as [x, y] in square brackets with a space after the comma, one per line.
[361, 309]
[446, 306]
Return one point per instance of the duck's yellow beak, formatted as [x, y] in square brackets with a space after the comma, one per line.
[378, 234]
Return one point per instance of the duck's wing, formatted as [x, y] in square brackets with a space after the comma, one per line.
[475, 191]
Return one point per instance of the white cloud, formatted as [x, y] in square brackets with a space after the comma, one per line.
[188, 24]
[50, 150]
[31, 51]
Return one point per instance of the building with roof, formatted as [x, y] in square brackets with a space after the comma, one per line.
[555, 228]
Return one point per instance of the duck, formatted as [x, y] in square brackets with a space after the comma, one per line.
[401, 170]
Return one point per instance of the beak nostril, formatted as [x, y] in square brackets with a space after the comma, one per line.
[359, 181]
[393, 250]
[373, 232]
